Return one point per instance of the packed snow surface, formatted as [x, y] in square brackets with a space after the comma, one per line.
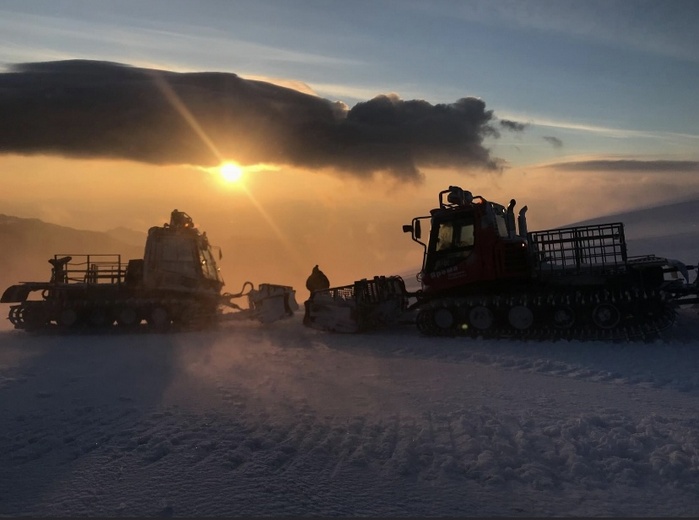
[279, 419]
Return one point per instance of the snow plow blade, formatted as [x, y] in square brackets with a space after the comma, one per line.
[364, 305]
[272, 302]
[268, 303]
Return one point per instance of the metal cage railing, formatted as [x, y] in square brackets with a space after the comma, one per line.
[90, 269]
[594, 247]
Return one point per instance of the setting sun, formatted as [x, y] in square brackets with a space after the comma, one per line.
[231, 172]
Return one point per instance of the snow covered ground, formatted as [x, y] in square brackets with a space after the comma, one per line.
[284, 420]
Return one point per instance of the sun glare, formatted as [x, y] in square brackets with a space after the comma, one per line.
[231, 172]
[233, 175]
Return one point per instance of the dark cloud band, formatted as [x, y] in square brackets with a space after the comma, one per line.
[83, 108]
[628, 165]
[513, 126]
[553, 141]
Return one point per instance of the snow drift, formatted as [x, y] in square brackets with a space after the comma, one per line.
[284, 420]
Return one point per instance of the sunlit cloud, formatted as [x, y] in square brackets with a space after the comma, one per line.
[186, 114]
[299, 86]
[349, 92]
[258, 168]
[102, 109]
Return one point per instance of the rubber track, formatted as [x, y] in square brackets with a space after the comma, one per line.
[197, 318]
[642, 315]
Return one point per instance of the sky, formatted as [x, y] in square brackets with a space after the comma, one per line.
[576, 109]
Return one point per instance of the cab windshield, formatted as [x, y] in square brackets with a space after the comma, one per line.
[452, 242]
[208, 265]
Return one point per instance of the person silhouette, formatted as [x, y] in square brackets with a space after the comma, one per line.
[317, 281]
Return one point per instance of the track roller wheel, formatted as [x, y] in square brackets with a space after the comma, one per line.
[563, 317]
[68, 317]
[159, 318]
[100, 317]
[481, 317]
[127, 317]
[606, 315]
[520, 317]
[444, 319]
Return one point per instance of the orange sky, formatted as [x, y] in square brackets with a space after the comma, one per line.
[276, 225]
[585, 81]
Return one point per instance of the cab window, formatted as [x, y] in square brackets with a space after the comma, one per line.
[454, 235]
[208, 264]
[453, 243]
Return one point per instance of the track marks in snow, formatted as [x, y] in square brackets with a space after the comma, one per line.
[395, 424]
[482, 446]
[670, 363]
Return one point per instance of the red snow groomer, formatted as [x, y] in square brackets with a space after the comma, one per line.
[484, 274]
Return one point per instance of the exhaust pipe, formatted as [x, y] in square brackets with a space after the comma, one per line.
[510, 219]
[522, 223]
